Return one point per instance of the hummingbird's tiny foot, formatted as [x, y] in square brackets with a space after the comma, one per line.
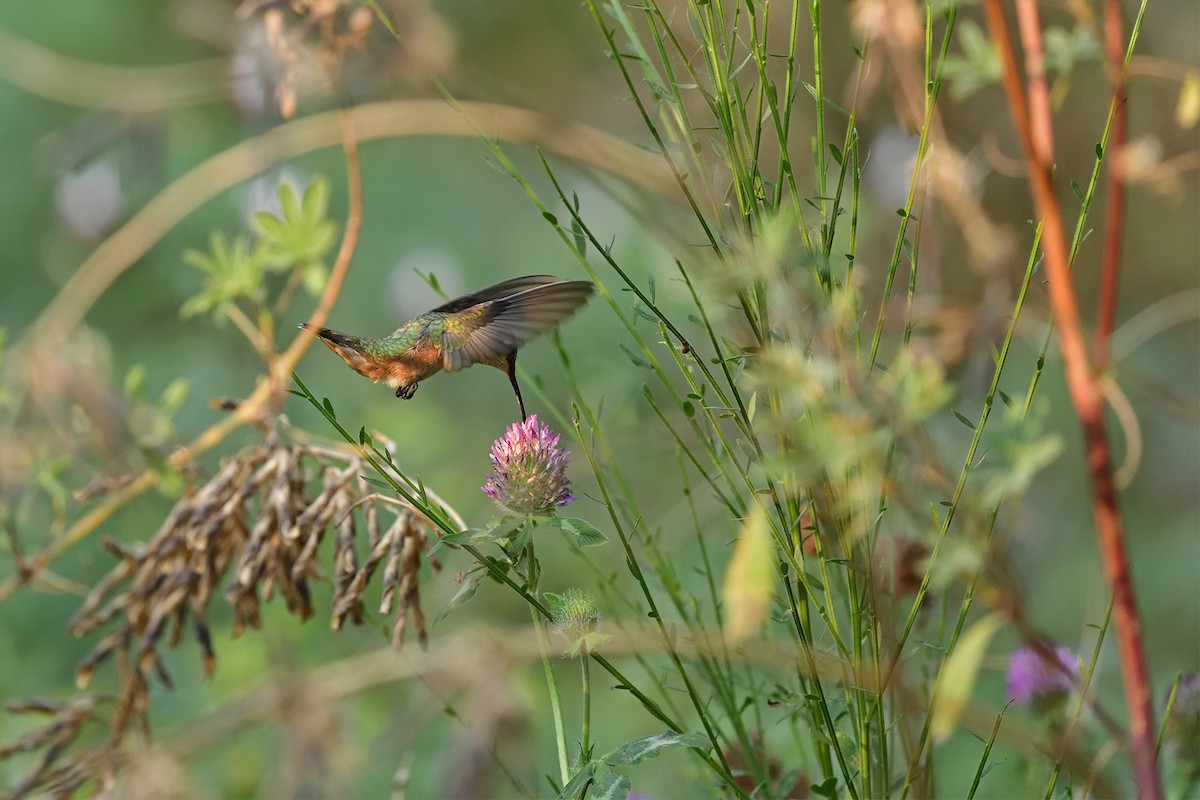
[406, 392]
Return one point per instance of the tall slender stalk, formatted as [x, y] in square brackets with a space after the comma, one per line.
[1033, 123]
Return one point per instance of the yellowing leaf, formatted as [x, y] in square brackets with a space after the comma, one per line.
[1187, 112]
[958, 676]
[749, 580]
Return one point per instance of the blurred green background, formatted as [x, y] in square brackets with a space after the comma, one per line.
[72, 174]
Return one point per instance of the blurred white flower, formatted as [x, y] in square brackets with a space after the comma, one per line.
[89, 201]
[249, 85]
[893, 155]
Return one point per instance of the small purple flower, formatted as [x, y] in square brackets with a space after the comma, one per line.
[1033, 680]
[529, 469]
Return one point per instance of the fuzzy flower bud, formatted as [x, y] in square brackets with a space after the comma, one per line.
[575, 615]
[1033, 680]
[529, 470]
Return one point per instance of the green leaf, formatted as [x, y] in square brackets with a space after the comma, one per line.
[314, 278]
[1065, 49]
[957, 678]
[288, 204]
[609, 785]
[813, 581]
[316, 200]
[300, 236]
[135, 382]
[270, 224]
[173, 396]
[461, 537]
[499, 167]
[376, 482]
[321, 238]
[963, 419]
[579, 781]
[196, 305]
[586, 534]
[639, 750]
[465, 592]
[556, 603]
[384, 18]
[637, 360]
[826, 788]
[230, 270]
[169, 482]
[749, 580]
[521, 540]
[977, 67]
[502, 528]
[580, 238]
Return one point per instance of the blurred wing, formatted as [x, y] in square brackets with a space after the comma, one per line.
[490, 331]
[499, 290]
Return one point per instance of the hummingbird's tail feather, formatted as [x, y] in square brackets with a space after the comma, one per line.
[332, 337]
[487, 332]
[354, 350]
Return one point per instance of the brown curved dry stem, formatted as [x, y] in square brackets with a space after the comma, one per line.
[385, 120]
[1082, 382]
[88, 84]
[246, 159]
[252, 409]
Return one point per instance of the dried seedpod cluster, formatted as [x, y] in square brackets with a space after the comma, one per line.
[261, 518]
[50, 775]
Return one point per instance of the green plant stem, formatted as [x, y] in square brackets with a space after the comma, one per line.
[952, 509]
[539, 628]
[585, 734]
[560, 734]
[668, 640]
[933, 88]
[983, 758]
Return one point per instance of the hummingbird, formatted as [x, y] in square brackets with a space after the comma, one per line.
[485, 327]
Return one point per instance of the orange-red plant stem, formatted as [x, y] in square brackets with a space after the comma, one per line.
[1035, 73]
[1032, 124]
[1114, 210]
